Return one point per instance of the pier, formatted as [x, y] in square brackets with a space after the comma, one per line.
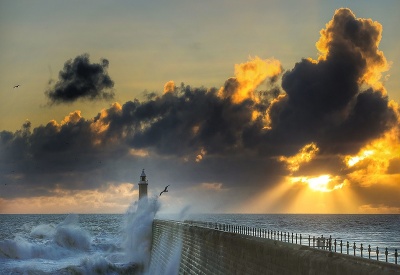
[211, 248]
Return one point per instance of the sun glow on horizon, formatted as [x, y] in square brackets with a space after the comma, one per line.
[112, 198]
[294, 197]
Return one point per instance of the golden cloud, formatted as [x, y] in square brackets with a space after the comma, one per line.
[250, 75]
[370, 166]
[305, 155]
[169, 87]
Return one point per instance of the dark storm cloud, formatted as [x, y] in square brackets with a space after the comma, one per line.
[182, 123]
[63, 155]
[81, 79]
[324, 101]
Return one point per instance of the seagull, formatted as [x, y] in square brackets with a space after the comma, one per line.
[165, 190]
[16, 86]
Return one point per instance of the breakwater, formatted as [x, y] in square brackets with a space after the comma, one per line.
[190, 248]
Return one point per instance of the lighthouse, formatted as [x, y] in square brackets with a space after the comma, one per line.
[143, 186]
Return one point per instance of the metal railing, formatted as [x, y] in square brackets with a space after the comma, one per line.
[326, 243]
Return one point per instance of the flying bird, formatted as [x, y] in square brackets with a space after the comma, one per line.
[165, 190]
[16, 86]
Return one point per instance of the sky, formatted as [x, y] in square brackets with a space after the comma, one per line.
[240, 106]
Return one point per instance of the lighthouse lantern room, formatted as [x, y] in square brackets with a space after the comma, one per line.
[143, 186]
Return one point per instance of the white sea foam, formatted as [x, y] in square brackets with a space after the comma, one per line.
[43, 231]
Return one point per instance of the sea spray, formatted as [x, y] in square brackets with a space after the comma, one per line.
[69, 234]
[138, 231]
[168, 262]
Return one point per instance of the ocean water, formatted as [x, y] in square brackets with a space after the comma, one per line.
[120, 244]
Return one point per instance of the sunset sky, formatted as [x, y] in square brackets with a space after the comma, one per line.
[240, 106]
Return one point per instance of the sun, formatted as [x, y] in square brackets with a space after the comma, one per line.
[322, 183]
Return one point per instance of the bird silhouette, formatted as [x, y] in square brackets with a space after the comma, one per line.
[16, 86]
[165, 190]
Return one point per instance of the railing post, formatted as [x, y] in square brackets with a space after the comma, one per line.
[300, 239]
[361, 249]
[395, 256]
[369, 251]
[354, 249]
[292, 237]
[313, 241]
[377, 253]
[335, 244]
[330, 242]
[309, 241]
[347, 247]
[386, 254]
[296, 238]
[341, 246]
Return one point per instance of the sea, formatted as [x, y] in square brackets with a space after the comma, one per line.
[119, 243]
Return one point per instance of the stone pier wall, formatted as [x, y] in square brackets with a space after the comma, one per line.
[180, 248]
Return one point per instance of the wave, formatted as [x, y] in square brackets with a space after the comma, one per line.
[67, 247]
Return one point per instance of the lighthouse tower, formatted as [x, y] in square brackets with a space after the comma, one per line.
[143, 186]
